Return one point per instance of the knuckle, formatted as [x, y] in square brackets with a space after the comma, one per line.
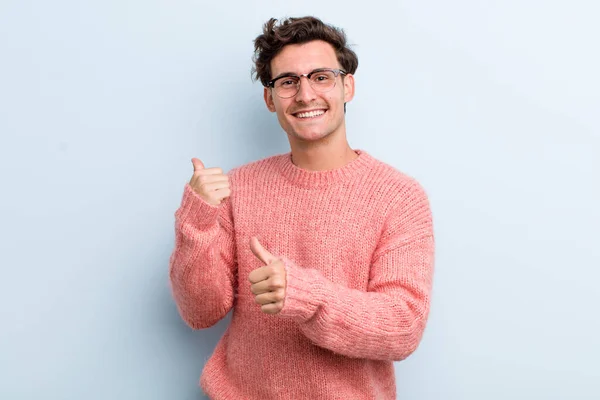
[200, 190]
[202, 186]
[276, 283]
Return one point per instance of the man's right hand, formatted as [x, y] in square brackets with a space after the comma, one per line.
[210, 183]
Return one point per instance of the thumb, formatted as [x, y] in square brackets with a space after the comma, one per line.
[260, 252]
[198, 165]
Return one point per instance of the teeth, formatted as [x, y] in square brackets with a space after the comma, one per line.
[310, 114]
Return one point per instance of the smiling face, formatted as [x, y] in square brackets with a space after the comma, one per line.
[310, 115]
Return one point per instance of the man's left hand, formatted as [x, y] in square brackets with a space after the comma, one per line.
[269, 281]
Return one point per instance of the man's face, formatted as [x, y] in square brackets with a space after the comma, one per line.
[302, 59]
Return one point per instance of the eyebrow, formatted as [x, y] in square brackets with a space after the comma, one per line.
[295, 74]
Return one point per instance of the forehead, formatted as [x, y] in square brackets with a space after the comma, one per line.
[303, 58]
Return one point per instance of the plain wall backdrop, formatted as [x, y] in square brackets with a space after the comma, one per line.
[493, 106]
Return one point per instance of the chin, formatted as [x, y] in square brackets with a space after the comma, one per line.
[310, 136]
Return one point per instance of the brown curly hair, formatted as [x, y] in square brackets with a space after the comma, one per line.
[297, 31]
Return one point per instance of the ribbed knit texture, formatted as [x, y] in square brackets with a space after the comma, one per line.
[358, 247]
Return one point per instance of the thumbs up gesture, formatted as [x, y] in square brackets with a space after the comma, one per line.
[269, 281]
[210, 183]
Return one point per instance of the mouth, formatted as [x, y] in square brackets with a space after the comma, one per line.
[310, 114]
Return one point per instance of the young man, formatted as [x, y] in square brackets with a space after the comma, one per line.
[325, 254]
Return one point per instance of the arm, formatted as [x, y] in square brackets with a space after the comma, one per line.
[202, 267]
[387, 321]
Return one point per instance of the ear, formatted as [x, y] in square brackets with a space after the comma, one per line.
[269, 99]
[348, 87]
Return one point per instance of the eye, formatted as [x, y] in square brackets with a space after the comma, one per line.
[287, 82]
[321, 77]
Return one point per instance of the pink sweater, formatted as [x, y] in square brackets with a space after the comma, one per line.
[358, 247]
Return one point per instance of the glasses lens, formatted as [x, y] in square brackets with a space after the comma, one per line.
[322, 81]
[287, 87]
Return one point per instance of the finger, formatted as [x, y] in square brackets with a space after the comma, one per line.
[198, 165]
[270, 297]
[260, 252]
[212, 187]
[261, 287]
[203, 179]
[210, 171]
[272, 308]
[258, 275]
[223, 193]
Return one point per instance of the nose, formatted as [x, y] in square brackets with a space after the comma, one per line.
[306, 93]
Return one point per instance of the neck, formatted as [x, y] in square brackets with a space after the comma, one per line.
[328, 153]
[323, 158]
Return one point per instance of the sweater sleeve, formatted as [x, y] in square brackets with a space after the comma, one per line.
[387, 321]
[202, 266]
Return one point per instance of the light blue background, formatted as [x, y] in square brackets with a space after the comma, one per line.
[493, 106]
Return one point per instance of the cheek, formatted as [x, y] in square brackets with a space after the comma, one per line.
[282, 116]
[336, 98]
[280, 106]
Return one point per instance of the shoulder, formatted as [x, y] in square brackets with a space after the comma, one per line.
[255, 168]
[407, 212]
[396, 185]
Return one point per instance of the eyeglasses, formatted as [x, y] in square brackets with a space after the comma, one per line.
[321, 80]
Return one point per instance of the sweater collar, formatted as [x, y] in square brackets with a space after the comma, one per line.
[313, 179]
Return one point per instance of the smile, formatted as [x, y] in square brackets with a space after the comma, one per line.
[310, 114]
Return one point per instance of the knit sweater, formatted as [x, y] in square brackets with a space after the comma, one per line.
[358, 248]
